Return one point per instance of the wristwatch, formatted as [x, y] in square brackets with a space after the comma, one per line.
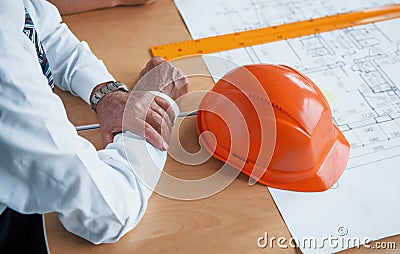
[107, 88]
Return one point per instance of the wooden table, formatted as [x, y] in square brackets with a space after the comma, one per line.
[228, 222]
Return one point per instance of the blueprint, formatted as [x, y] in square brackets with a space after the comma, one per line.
[358, 70]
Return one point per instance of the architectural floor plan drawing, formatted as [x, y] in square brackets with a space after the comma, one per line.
[356, 63]
[358, 70]
[355, 68]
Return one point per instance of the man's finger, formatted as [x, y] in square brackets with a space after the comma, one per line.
[146, 131]
[158, 123]
[157, 60]
[181, 82]
[160, 111]
[154, 61]
[164, 104]
[107, 137]
[154, 138]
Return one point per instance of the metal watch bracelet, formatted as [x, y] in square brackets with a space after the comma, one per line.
[107, 88]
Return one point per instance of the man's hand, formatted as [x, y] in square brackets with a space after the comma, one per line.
[146, 115]
[159, 75]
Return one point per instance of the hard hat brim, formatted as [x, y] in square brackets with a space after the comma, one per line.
[319, 178]
[325, 174]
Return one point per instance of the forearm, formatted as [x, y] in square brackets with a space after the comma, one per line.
[76, 6]
[46, 167]
[118, 197]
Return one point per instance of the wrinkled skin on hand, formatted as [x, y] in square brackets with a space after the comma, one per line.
[159, 75]
[146, 115]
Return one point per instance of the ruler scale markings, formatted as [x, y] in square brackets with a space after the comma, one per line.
[275, 33]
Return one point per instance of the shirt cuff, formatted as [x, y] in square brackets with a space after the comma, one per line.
[88, 77]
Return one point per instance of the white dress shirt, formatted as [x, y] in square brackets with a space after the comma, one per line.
[44, 165]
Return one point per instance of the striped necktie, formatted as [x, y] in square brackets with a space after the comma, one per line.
[30, 31]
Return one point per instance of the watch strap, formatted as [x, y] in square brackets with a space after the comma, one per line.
[107, 88]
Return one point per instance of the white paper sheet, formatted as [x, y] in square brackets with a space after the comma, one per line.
[358, 70]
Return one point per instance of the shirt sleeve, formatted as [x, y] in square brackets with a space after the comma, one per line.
[74, 67]
[46, 167]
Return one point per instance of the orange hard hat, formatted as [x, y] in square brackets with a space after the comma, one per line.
[284, 130]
